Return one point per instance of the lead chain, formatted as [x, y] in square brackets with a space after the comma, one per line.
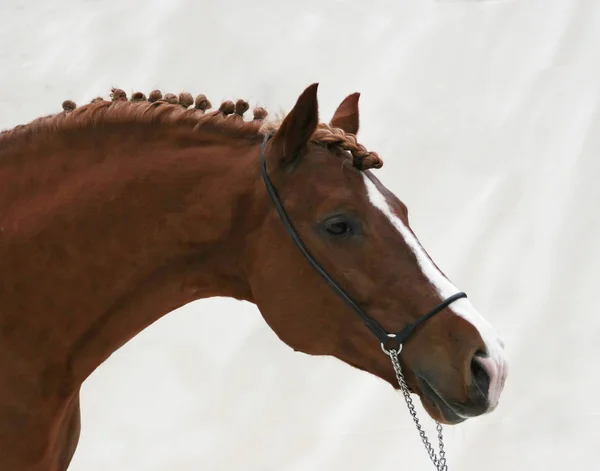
[438, 461]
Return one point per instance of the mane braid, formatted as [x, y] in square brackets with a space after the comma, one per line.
[185, 110]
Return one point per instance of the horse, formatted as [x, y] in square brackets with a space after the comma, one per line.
[119, 211]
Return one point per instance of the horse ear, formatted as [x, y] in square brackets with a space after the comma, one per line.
[346, 115]
[297, 127]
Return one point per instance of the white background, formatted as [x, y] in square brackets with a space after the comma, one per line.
[487, 116]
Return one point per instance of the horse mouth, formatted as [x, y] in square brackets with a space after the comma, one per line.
[438, 402]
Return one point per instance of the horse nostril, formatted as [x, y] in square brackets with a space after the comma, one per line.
[480, 354]
[480, 377]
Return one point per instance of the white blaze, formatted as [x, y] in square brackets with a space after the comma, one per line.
[496, 364]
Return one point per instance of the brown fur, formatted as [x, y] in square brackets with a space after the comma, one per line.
[117, 212]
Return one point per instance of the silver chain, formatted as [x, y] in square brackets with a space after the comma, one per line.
[438, 461]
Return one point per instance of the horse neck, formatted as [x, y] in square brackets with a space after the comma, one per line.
[114, 231]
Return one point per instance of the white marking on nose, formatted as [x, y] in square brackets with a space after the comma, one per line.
[495, 364]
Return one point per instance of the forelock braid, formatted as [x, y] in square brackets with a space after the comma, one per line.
[362, 159]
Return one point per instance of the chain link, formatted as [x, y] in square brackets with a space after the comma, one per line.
[438, 461]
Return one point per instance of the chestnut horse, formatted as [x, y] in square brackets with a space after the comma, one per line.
[117, 212]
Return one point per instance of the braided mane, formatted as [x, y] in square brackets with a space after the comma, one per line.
[184, 109]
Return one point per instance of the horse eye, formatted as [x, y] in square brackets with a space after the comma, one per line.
[338, 228]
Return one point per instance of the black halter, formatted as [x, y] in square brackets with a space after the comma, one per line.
[383, 336]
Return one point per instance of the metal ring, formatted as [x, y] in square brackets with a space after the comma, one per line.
[387, 352]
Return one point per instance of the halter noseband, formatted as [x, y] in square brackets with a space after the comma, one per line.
[383, 336]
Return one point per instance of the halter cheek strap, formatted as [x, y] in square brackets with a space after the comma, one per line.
[382, 335]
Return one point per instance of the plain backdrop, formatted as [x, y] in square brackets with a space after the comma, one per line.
[487, 116]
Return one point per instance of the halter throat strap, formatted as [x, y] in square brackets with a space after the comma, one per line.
[382, 335]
